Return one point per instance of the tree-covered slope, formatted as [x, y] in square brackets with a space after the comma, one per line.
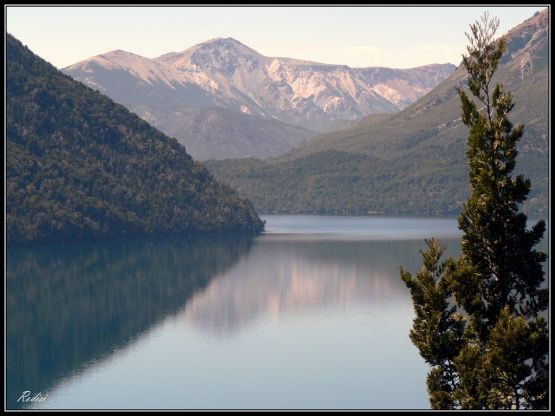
[79, 166]
[411, 162]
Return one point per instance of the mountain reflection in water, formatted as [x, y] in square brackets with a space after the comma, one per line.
[285, 275]
[312, 314]
[72, 305]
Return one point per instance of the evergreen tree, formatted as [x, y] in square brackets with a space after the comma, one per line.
[478, 320]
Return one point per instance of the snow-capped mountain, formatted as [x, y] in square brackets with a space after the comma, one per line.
[232, 75]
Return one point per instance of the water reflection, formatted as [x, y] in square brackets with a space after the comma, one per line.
[68, 306]
[305, 320]
[285, 275]
[307, 323]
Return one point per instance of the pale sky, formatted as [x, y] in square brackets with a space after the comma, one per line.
[398, 37]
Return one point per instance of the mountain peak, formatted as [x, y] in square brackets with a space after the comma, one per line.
[116, 57]
[528, 41]
[539, 22]
[227, 44]
[118, 54]
[228, 40]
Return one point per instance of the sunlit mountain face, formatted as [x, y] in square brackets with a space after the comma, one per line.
[223, 100]
[237, 77]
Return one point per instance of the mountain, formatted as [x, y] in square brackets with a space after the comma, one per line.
[217, 133]
[413, 161]
[79, 166]
[170, 90]
[298, 91]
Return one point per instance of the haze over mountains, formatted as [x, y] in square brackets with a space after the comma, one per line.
[413, 161]
[289, 98]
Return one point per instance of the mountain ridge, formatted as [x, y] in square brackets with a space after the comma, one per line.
[413, 161]
[225, 73]
[204, 63]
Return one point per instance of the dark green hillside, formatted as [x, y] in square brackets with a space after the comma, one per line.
[411, 162]
[341, 183]
[79, 166]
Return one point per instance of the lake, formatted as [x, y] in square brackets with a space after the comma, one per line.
[310, 315]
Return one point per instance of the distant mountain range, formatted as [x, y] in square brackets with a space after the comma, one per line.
[289, 98]
[413, 161]
[79, 166]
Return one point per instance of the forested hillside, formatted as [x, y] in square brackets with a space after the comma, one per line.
[79, 166]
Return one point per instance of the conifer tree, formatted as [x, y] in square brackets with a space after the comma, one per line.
[478, 318]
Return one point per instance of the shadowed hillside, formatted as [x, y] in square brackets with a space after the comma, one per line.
[80, 166]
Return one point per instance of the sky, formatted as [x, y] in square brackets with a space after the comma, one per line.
[357, 36]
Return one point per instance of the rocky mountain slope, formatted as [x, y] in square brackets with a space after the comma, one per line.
[413, 161]
[298, 91]
[167, 91]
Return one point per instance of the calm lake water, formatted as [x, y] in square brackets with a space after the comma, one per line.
[311, 314]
